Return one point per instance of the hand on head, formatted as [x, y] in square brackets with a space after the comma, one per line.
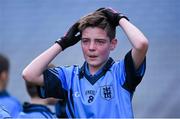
[112, 15]
[70, 38]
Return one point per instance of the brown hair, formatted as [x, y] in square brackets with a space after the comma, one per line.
[97, 19]
[32, 89]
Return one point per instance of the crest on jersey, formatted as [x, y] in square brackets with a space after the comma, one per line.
[107, 92]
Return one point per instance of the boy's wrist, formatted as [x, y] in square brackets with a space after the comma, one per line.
[121, 16]
[58, 43]
[122, 20]
[57, 47]
[62, 43]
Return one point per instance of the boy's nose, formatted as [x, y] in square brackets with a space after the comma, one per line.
[92, 46]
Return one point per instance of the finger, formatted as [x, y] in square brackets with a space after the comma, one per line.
[73, 30]
[100, 9]
[78, 37]
[111, 9]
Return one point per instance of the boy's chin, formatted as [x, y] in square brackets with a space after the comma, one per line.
[94, 64]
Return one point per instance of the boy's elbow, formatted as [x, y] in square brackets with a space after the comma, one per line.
[143, 45]
[27, 76]
[30, 77]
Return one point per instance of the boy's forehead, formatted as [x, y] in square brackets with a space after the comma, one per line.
[94, 32]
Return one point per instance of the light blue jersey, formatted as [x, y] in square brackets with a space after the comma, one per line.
[12, 105]
[106, 94]
[4, 113]
[36, 111]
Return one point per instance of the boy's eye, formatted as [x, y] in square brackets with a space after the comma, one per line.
[101, 41]
[85, 41]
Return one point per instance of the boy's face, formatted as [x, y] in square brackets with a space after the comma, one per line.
[96, 46]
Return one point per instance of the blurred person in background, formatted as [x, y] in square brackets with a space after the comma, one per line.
[11, 104]
[4, 113]
[60, 106]
[37, 107]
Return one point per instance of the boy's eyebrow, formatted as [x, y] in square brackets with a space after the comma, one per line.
[95, 38]
[100, 39]
[85, 38]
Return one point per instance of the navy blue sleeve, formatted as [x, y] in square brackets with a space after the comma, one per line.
[133, 76]
[52, 86]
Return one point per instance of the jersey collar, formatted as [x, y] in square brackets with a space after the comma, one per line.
[27, 108]
[4, 93]
[101, 72]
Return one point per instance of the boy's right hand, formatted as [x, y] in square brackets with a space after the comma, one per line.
[70, 37]
[112, 15]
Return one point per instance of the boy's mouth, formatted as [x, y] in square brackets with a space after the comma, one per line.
[92, 56]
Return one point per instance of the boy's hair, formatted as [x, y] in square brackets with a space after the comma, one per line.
[4, 63]
[32, 89]
[97, 19]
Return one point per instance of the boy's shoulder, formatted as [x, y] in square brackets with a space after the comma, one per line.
[74, 65]
[35, 111]
[118, 63]
[9, 99]
[67, 68]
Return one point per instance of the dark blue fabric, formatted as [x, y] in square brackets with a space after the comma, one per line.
[4, 94]
[101, 72]
[133, 76]
[51, 82]
[56, 86]
[36, 110]
[60, 109]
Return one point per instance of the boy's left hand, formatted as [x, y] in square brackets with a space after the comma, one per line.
[70, 37]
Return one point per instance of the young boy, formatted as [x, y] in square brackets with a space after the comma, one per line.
[12, 105]
[101, 87]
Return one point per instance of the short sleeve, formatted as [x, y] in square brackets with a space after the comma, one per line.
[53, 84]
[132, 76]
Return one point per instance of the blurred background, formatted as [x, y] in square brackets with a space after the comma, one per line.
[28, 27]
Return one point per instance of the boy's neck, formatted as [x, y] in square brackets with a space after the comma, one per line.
[38, 101]
[94, 69]
[2, 87]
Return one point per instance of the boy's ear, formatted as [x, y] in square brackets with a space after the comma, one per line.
[113, 44]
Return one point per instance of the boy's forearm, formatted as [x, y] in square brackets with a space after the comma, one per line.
[135, 36]
[33, 72]
[138, 41]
